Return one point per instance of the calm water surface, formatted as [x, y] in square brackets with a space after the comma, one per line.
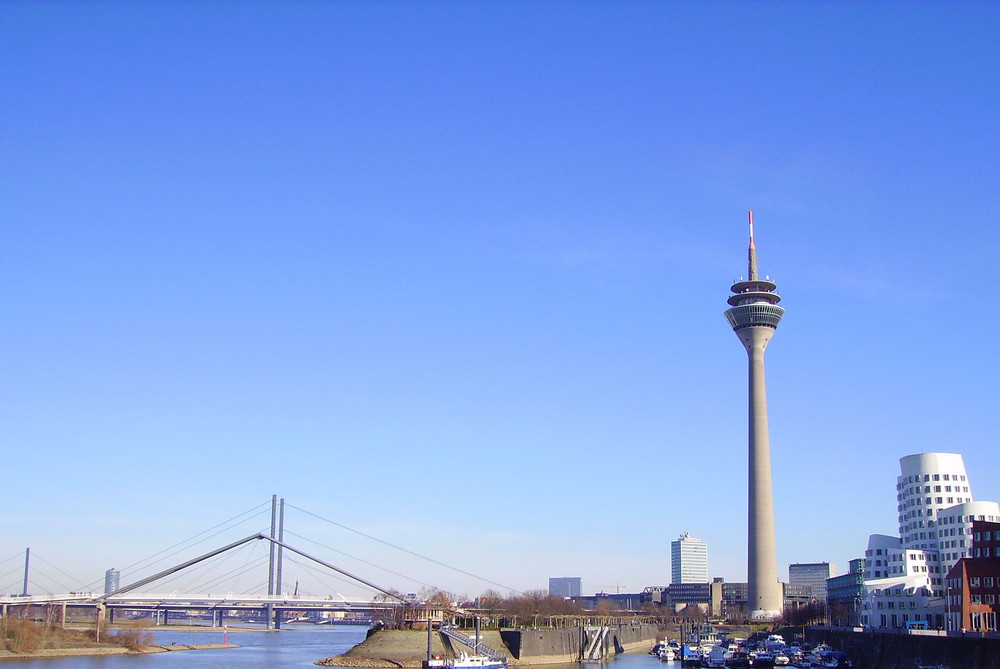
[293, 646]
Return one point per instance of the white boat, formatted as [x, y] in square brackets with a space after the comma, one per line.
[690, 656]
[667, 654]
[716, 658]
[466, 661]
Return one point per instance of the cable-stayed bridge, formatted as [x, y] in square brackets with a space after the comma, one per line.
[145, 596]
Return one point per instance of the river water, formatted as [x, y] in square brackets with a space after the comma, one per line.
[293, 646]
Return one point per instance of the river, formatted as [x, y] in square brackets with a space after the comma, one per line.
[293, 646]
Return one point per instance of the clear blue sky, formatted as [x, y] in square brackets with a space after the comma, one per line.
[453, 274]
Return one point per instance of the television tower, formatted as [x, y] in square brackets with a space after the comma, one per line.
[754, 316]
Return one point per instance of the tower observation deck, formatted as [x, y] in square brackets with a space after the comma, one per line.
[754, 315]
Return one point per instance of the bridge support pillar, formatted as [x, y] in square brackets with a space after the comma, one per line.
[99, 621]
[269, 616]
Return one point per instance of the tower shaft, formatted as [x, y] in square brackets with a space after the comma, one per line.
[754, 316]
[763, 590]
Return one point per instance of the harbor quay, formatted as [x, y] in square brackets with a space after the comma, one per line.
[901, 649]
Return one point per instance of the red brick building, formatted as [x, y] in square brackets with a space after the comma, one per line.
[973, 584]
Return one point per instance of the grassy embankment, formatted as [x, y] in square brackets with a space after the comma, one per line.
[25, 639]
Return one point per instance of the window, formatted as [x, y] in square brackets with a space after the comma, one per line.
[937, 488]
[945, 477]
[937, 477]
[947, 488]
[988, 581]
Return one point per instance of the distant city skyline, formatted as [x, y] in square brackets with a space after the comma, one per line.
[414, 254]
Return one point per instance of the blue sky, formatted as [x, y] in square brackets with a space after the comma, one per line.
[453, 274]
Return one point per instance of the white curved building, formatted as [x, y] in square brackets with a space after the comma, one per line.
[904, 576]
[928, 483]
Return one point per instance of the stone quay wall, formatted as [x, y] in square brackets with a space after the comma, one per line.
[566, 645]
[888, 650]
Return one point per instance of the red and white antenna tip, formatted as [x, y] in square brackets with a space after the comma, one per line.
[750, 212]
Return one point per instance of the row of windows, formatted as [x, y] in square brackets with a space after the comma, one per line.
[930, 512]
[928, 477]
[927, 489]
[985, 581]
[988, 536]
[951, 520]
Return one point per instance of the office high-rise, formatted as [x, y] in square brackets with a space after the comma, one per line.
[688, 560]
[813, 574]
[754, 315]
[565, 586]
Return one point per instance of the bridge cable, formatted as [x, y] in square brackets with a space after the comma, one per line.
[233, 573]
[320, 575]
[363, 561]
[12, 571]
[32, 580]
[19, 554]
[400, 548]
[204, 569]
[179, 567]
[16, 584]
[257, 509]
[36, 556]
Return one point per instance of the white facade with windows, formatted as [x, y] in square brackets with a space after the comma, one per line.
[688, 560]
[954, 529]
[900, 585]
[904, 575]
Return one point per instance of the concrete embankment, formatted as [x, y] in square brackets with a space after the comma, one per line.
[101, 650]
[905, 651]
[565, 645]
[408, 648]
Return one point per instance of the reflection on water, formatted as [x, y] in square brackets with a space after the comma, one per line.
[293, 646]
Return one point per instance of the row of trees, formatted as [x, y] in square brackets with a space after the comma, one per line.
[537, 608]
[533, 608]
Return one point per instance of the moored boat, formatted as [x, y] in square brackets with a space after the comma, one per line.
[836, 660]
[466, 661]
